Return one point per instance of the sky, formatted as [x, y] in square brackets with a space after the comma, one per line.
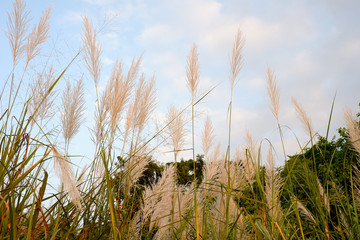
[313, 47]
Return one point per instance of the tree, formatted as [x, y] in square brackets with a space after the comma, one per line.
[185, 170]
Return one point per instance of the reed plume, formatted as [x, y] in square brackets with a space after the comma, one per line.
[323, 195]
[147, 102]
[192, 71]
[273, 184]
[192, 78]
[176, 129]
[141, 107]
[17, 28]
[67, 177]
[273, 92]
[73, 107]
[235, 67]
[158, 195]
[305, 212]
[354, 137]
[306, 121]
[42, 97]
[38, 35]
[101, 120]
[353, 130]
[118, 92]
[92, 50]
[251, 157]
[236, 58]
[207, 136]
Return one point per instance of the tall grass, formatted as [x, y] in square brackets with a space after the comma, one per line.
[239, 197]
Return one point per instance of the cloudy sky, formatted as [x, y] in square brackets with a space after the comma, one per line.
[312, 46]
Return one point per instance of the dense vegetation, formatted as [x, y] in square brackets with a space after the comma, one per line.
[124, 193]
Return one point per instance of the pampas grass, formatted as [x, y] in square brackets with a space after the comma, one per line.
[236, 58]
[18, 20]
[273, 184]
[92, 50]
[38, 36]
[274, 93]
[304, 118]
[192, 80]
[176, 129]
[41, 105]
[67, 177]
[207, 138]
[354, 130]
[73, 107]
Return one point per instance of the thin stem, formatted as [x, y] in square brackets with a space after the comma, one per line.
[195, 188]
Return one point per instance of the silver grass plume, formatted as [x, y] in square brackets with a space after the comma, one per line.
[155, 196]
[236, 58]
[67, 177]
[354, 137]
[92, 50]
[42, 99]
[176, 129]
[273, 184]
[207, 137]
[192, 71]
[72, 112]
[38, 35]
[306, 121]
[273, 92]
[17, 28]
[305, 212]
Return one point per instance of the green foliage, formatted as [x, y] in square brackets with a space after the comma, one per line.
[185, 170]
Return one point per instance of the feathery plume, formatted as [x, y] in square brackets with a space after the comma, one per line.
[354, 137]
[101, 120]
[38, 35]
[134, 167]
[215, 154]
[118, 92]
[42, 99]
[274, 93]
[236, 58]
[176, 129]
[345, 225]
[251, 157]
[67, 177]
[92, 50]
[323, 195]
[17, 28]
[354, 130]
[156, 195]
[192, 71]
[272, 188]
[207, 136]
[134, 69]
[143, 104]
[72, 109]
[239, 169]
[304, 212]
[303, 117]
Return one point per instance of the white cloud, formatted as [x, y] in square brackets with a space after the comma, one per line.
[107, 60]
[99, 2]
[72, 16]
[110, 41]
[159, 34]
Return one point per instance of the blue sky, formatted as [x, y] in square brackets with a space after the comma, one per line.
[312, 46]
